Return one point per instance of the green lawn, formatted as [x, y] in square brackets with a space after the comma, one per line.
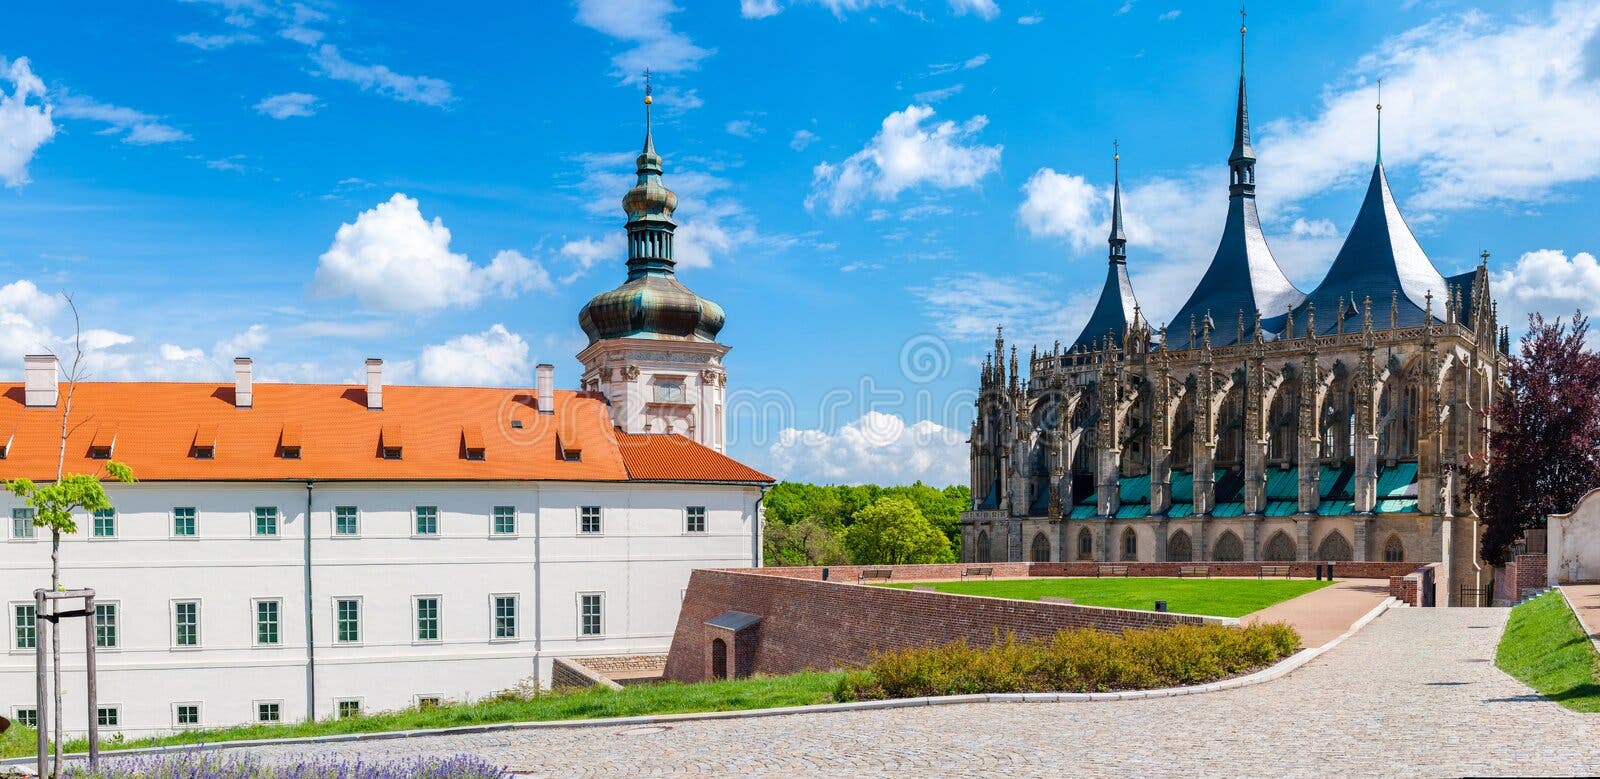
[665, 698]
[1545, 648]
[1212, 597]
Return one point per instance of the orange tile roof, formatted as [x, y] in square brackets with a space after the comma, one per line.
[659, 457]
[155, 426]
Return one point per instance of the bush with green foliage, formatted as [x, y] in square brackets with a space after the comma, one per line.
[892, 531]
[1081, 660]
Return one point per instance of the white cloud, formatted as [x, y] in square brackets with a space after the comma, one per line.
[214, 42]
[984, 9]
[1061, 204]
[176, 353]
[241, 344]
[1170, 15]
[802, 139]
[1030, 19]
[495, 357]
[744, 128]
[586, 252]
[1546, 281]
[967, 306]
[644, 25]
[137, 127]
[759, 9]
[288, 105]
[392, 259]
[877, 448]
[379, 78]
[905, 154]
[24, 126]
[230, 163]
[935, 95]
[976, 62]
[672, 102]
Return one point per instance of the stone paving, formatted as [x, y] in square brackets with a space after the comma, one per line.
[1414, 693]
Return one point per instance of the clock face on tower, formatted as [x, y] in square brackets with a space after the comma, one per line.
[669, 392]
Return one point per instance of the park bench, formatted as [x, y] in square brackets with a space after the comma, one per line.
[987, 573]
[1111, 570]
[1275, 571]
[875, 573]
[1187, 571]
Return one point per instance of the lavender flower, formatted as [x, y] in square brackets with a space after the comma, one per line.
[218, 765]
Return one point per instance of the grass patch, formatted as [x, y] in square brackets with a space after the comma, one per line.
[1211, 597]
[1080, 660]
[1544, 647]
[757, 692]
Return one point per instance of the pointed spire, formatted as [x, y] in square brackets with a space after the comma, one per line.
[1118, 241]
[1242, 162]
[1380, 121]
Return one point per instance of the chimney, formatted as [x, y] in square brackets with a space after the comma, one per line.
[547, 388]
[374, 383]
[41, 388]
[243, 382]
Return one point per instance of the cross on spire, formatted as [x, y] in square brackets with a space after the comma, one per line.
[1380, 121]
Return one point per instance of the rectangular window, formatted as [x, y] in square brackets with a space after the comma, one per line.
[183, 521]
[22, 522]
[591, 614]
[185, 714]
[426, 702]
[105, 523]
[427, 520]
[28, 716]
[505, 520]
[269, 711]
[186, 623]
[345, 521]
[589, 519]
[427, 619]
[266, 520]
[27, 627]
[349, 708]
[347, 619]
[110, 716]
[268, 617]
[505, 616]
[105, 625]
[694, 519]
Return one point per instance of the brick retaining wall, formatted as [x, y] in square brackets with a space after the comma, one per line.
[1527, 573]
[812, 624]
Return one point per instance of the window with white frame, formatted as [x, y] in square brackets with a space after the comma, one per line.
[105, 523]
[349, 707]
[427, 520]
[589, 519]
[694, 519]
[347, 620]
[269, 616]
[106, 626]
[266, 520]
[185, 715]
[269, 711]
[427, 612]
[22, 522]
[591, 614]
[505, 520]
[346, 521]
[109, 716]
[27, 632]
[186, 623]
[26, 715]
[505, 616]
[183, 522]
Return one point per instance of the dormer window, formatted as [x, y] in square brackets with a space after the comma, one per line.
[389, 444]
[205, 443]
[516, 424]
[205, 452]
[472, 447]
[291, 452]
[566, 453]
[5, 451]
[289, 442]
[105, 439]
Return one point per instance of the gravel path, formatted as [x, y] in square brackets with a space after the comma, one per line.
[1414, 693]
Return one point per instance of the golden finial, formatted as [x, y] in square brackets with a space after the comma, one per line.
[648, 89]
[1116, 151]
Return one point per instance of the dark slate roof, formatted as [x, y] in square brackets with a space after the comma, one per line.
[1380, 257]
[1114, 312]
[1243, 277]
[733, 620]
[1241, 125]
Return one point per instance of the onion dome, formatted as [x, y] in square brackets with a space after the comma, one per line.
[652, 303]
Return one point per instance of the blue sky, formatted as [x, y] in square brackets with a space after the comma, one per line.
[867, 187]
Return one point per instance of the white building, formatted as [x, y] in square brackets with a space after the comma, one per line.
[297, 550]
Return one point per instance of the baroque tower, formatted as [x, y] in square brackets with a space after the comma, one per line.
[653, 350]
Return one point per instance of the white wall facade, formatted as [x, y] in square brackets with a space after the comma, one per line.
[639, 562]
[661, 386]
[1573, 542]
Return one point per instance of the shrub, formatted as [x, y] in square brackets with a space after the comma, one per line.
[1080, 660]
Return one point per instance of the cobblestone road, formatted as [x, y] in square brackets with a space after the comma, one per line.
[1415, 693]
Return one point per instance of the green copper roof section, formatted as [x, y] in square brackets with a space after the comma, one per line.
[1283, 483]
[1181, 510]
[1399, 481]
[1082, 512]
[1337, 483]
[1182, 488]
[1229, 509]
[1135, 489]
[1282, 508]
[1336, 508]
[1134, 511]
[1397, 506]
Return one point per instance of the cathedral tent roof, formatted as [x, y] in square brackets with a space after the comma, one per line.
[1113, 313]
[1380, 259]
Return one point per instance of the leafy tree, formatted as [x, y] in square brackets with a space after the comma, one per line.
[835, 507]
[893, 531]
[807, 542]
[54, 504]
[1546, 452]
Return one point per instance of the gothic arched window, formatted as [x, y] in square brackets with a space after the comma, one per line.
[1393, 550]
[1130, 545]
[1180, 548]
[1335, 548]
[1085, 545]
[1229, 548]
[1041, 548]
[1280, 548]
[983, 546]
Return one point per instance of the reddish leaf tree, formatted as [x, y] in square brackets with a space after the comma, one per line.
[1545, 450]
